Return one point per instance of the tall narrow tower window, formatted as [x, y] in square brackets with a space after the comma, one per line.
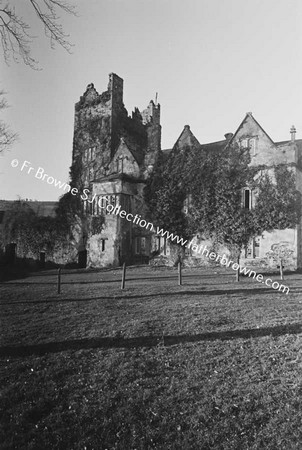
[247, 198]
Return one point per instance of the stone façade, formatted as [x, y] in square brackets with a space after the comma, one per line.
[113, 154]
[112, 157]
[267, 154]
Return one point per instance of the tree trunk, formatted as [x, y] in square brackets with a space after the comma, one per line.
[238, 270]
[281, 269]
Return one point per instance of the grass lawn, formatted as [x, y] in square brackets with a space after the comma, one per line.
[212, 364]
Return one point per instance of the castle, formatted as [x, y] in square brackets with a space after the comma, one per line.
[113, 156]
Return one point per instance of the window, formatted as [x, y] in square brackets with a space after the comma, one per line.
[187, 204]
[127, 203]
[143, 246]
[137, 244]
[107, 202]
[164, 247]
[113, 200]
[103, 244]
[249, 251]
[102, 202]
[95, 206]
[253, 248]
[140, 245]
[87, 207]
[91, 173]
[161, 245]
[86, 175]
[257, 247]
[157, 243]
[247, 198]
[252, 145]
[244, 143]
[90, 154]
[188, 251]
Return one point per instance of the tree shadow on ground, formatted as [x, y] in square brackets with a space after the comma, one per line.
[147, 341]
[218, 292]
[116, 280]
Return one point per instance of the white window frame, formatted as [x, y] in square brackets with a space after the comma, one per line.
[244, 143]
[252, 145]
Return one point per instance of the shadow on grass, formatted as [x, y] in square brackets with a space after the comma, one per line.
[57, 299]
[147, 341]
[116, 280]
[173, 276]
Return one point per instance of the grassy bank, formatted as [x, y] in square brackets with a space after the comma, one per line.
[210, 364]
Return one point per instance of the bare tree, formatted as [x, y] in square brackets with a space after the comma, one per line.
[15, 32]
[7, 136]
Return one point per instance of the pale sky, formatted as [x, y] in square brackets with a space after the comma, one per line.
[210, 61]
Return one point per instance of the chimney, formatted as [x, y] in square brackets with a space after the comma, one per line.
[293, 133]
[228, 136]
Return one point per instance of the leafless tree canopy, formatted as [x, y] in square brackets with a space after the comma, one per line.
[16, 34]
[7, 136]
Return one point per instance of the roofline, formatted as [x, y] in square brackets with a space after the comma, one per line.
[186, 127]
[215, 143]
[124, 140]
[257, 123]
[119, 176]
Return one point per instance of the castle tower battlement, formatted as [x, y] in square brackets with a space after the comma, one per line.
[101, 121]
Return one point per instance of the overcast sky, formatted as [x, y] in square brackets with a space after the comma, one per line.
[210, 61]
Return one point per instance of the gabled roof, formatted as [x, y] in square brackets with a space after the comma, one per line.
[211, 146]
[133, 148]
[41, 208]
[214, 146]
[187, 138]
[119, 176]
[250, 115]
[166, 152]
[298, 142]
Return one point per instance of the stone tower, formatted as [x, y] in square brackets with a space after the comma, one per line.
[101, 121]
[113, 154]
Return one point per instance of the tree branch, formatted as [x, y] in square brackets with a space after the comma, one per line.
[14, 31]
[7, 136]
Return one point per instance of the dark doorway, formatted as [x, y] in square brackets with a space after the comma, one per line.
[82, 259]
[42, 260]
[10, 254]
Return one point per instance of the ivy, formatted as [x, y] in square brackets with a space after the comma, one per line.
[214, 183]
[96, 225]
[166, 191]
[33, 233]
